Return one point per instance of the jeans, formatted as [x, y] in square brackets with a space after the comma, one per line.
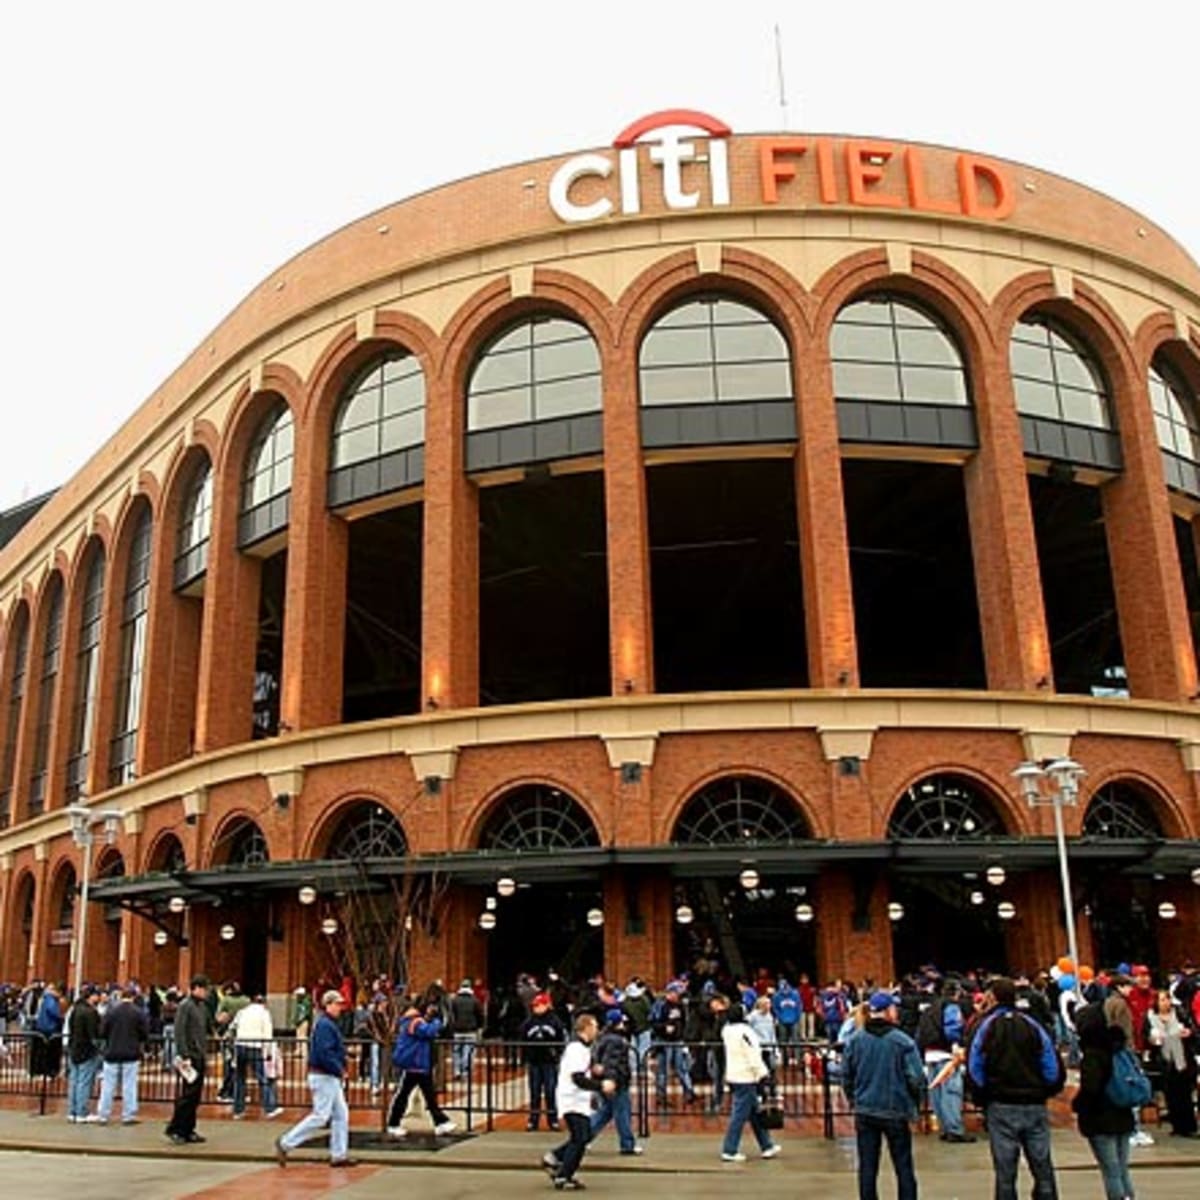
[80, 1077]
[1112, 1153]
[127, 1073]
[580, 1129]
[870, 1132]
[251, 1058]
[329, 1108]
[618, 1109]
[543, 1078]
[743, 1109]
[947, 1098]
[1011, 1129]
[463, 1053]
[410, 1081]
[673, 1056]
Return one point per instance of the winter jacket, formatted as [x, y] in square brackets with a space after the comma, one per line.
[882, 1072]
[612, 1055]
[1012, 1059]
[49, 1019]
[743, 1053]
[545, 1036]
[83, 1032]
[637, 1009]
[124, 1029]
[191, 1029]
[466, 1013]
[326, 1048]
[413, 1050]
[785, 1005]
[666, 1019]
[1098, 1041]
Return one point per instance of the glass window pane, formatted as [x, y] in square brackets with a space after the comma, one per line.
[520, 337]
[1083, 408]
[865, 381]
[1030, 361]
[731, 312]
[1036, 399]
[498, 372]
[928, 347]
[931, 385]
[565, 359]
[566, 397]
[405, 367]
[281, 477]
[693, 314]
[676, 347]
[867, 312]
[909, 317]
[403, 395]
[356, 445]
[494, 409]
[283, 436]
[359, 410]
[546, 333]
[1073, 371]
[400, 432]
[1031, 334]
[747, 343]
[862, 343]
[678, 385]
[1166, 433]
[753, 381]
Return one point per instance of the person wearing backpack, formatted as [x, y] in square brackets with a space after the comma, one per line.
[1106, 1124]
[940, 1039]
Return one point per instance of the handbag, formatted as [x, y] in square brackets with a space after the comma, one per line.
[770, 1114]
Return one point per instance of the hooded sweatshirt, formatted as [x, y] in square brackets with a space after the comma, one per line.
[882, 1072]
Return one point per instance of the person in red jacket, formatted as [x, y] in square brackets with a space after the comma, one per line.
[1141, 1004]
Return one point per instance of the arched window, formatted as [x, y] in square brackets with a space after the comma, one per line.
[134, 609]
[111, 866]
[944, 808]
[715, 351]
[18, 659]
[1055, 376]
[535, 394]
[740, 810]
[168, 856]
[368, 830]
[1175, 418]
[379, 431]
[51, 653]
[245, 846]
[538, 818]
[267, 479]
[195, 527]
[66, 899]
[1121, 810]
[87, 666]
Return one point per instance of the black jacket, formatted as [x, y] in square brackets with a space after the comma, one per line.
[466, 1013]
[546, 1037]
[191, 1030]
[1011, 1059]
[612, 1054]
[124, 1029]
[1098, 1040]
[83, 1032]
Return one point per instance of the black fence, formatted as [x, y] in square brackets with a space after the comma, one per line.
[480, 1083]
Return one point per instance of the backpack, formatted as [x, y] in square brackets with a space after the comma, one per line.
[931, 1032]
[1127, 1086]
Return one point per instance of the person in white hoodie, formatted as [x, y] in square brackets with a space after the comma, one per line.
[578, 1084]
[744, 1071]
[253, 1049]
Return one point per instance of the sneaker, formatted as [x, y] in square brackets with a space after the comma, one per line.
[1140, 1138]
[732, 1157]
[277, 1111]
[550, 1162]
[280, 1151]
[397, 1131]
[195, 1139]
[772, 1151]
[238, 1116]
[176, 1139]
[635, 1150]
[554, 1127]
[445, 1127]
[343, 1162]
[130, 1121]
[92, 1119]
[224, 1099]
[72, 1119]
[568, 1185]
[960, 1138]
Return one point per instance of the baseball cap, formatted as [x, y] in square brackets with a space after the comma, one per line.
[614, 1016]
[332, 997]
[881, 1002]
[542, 998]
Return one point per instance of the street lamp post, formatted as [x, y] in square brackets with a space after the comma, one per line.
[83, 825]
[1061, 778]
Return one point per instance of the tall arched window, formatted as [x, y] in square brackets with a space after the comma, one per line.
[740, 810]
[534, 394]
[245, 846]
[379, 431]
[368, 830]
[18, 643]
[1178, 424]
[944, 808]
[51, 653]
[267, 478]
[195, 527]
[715, 370]
[537, 817]
[898, 376]
[87, 667]
[1122, 811]
[134, 610]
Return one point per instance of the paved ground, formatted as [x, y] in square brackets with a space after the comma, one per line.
[44, 1158]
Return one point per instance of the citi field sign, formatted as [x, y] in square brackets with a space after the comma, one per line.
[688, 165]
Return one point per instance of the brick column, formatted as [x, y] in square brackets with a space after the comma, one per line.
[630, 615]
[821, 523]
[450, 582]
[1012, 616]
[1151, 605]
[854, 935]
[35, 965]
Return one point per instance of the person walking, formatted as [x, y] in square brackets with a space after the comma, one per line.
[1106, 1125]
[326, 1070]
[124, 1030]
[577, 1086]
[191, 1054]
[253, 1044]
[667, 1017]
[883, 1078]
[613, 1056]
[745, 1069]
[83, 1053]
[543, 1037]
[1015, 1069]
[413, 1058]
[1172, 1044]
[466, 1023]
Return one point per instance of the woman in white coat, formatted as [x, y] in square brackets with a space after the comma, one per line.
[744, 1070]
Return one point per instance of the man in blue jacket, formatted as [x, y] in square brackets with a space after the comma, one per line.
[413, 1057]
[786, 1008]
[883, 1078]
[326, 1067]
[1015, 1069]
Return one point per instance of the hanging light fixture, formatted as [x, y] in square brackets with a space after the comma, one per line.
[595, 917]
[1167, 910]
[684, 914]
[307, 894]
[177, 904]
[895, 911]
[749, 879]
[1196, 875]
[506, 885]
[1006, 910]
[977, 897]
[487, 920]
[329, 926]
[804, 913]
[228, 933]
[996, 876]
[160, 937]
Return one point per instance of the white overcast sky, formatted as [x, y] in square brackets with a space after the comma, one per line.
[159, 159]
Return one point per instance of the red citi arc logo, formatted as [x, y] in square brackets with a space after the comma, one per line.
[856, 171]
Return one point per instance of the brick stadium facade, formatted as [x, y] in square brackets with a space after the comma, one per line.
[613, 524]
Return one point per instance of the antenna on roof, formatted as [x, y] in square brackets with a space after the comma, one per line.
[783, 104]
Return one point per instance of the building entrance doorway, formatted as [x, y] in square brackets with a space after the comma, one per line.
[949, 922]
[543, 927]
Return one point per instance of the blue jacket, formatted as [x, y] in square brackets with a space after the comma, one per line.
[327, 1050]
[882, 1072]
[49, 1019]
[413, 1050]
[785, 1004]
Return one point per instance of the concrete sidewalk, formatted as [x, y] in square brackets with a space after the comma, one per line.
[252, 1140]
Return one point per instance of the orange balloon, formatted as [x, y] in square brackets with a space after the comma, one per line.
[1086, 974]
[1066, 966]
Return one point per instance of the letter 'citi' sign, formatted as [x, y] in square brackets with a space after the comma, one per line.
[856, 171]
